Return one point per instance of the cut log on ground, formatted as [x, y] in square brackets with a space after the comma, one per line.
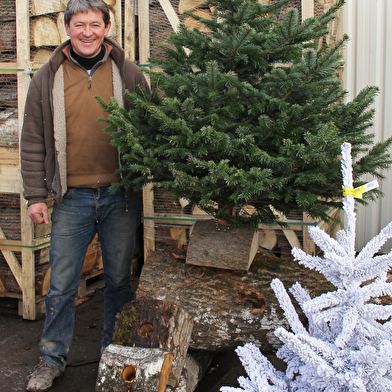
[228, 308]
[156, 324]
[124, 369]
[219, 245]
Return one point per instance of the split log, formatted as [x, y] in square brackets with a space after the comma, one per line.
[189, 5]
[134, 369]
[7, 10]
[7, 36]
[45, 282]
[113, 32]
[195, 24]
[41, 7]
[93, 254]
[267, 238]
[44, 32]
[61, 27]
[156, 324]
[228, 308]
[8, 127]
[218, 245]
[40, 57]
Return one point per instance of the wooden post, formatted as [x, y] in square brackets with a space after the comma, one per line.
[27, 227]
[170, 13]
[129, 30]
[118, 21]
[144, 31]
[307, 7]
[308, 244]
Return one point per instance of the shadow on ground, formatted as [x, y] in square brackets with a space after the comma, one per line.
[19, 351]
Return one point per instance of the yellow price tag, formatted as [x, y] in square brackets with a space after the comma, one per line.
[357, 192]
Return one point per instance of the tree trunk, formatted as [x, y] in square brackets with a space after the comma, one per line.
[153, 323]
[218, 245]
[228, 308]
[124, 369]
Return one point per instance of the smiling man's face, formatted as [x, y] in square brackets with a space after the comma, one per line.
[87, 31]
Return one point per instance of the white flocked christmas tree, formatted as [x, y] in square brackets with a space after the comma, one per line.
[347, 345]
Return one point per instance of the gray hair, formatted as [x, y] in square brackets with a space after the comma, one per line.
[76, 6]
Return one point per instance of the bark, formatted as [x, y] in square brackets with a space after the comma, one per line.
[134, 369]
[229, 308]
[218, 245]
[156, 324]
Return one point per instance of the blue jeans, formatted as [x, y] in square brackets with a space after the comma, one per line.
[84, 213]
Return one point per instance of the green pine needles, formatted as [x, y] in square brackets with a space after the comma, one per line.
[251, 113]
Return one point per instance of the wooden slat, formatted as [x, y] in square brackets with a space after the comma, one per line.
[8, 157]
[12, 262]
[170, 14]
[148, 224]
[118, 20]
[307, 7]
[144, 31]
[27, 280]
[9, 67]
[129, 30]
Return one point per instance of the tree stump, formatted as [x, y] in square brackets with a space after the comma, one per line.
[124, 369]
[218, 245]
[150, 323]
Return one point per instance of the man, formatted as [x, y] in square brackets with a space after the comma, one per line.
[65, 152]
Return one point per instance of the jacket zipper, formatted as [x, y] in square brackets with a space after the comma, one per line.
[89, 82]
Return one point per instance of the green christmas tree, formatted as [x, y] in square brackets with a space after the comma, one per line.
[249, 113]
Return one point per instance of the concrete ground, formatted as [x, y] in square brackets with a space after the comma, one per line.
[19, 351]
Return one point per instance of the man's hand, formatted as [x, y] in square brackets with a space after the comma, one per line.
[39, 213]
